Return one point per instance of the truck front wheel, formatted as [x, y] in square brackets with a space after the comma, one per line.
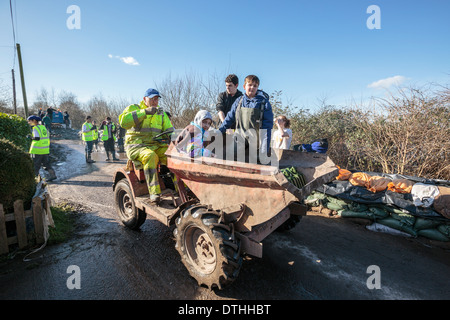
[208, 248]
[131, 216]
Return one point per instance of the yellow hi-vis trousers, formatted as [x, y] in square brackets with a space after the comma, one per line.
[149, 157]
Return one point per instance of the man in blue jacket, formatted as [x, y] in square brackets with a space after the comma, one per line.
[251, 113]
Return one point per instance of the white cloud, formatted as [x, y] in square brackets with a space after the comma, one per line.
[388, 82]
[128, 60]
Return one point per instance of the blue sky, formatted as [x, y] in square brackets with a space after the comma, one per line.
[308, 49]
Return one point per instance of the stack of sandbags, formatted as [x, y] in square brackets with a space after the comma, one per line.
[387, 215]
[432, 229]
[346, 208]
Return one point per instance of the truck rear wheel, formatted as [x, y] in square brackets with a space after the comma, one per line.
[131, 216]
[207, 247]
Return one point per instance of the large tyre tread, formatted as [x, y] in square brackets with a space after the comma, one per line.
[227, 247]
[139, 216]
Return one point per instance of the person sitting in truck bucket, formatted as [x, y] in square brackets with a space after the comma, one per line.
[194, 139]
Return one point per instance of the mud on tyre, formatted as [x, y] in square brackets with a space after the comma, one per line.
[208, 248]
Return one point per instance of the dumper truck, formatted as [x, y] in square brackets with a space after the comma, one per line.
[220, 210]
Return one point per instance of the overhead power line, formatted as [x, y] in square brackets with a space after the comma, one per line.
[13, 31]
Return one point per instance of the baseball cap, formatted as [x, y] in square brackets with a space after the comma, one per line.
[34, 118]
[152, 93]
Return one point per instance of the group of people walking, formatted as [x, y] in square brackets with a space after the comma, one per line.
[90, 135]
[40, 141]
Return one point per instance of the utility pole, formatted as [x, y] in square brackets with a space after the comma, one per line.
[25, 103]
[14, 91]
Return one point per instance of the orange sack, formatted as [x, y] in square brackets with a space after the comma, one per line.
[360, 179]
[400, 185]
[377, 183]
[344, 174]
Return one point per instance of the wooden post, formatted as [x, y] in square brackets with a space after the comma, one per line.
[24, 92]
[19, 215]
[48, 210]
[14, 91]
[3, 237]
[38, 220]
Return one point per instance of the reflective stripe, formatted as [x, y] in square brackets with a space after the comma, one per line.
[145, 130]
[135, 118]
[130, 146]
[154, 184]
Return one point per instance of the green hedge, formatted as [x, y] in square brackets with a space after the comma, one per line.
[15, 129]
[16, 175]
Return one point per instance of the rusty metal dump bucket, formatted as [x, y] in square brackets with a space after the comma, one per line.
[261, 189]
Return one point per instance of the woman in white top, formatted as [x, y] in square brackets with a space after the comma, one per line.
[283, 136]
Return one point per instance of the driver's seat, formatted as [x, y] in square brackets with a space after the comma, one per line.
[136, 166]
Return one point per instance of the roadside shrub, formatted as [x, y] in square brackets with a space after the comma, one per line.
[15, 129]
[17, 179]
[408, 133]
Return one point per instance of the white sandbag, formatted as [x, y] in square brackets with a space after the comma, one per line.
[423, 194]
[378, 227]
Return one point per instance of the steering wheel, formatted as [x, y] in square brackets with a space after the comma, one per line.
[159, 137]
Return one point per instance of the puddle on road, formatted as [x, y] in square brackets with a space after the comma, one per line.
[74, 163]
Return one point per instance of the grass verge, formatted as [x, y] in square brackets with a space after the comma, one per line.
[64, 219]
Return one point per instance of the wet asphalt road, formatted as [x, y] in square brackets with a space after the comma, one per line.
[320, 259]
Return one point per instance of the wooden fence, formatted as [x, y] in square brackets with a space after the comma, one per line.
[41, 215]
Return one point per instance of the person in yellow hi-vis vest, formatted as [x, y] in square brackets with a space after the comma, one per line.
[40, 147]
[87, 132]
[109, 138]
[95, 136]
[143, 122]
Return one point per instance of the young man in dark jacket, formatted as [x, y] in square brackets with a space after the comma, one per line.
[228, 97]
[251, 113]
